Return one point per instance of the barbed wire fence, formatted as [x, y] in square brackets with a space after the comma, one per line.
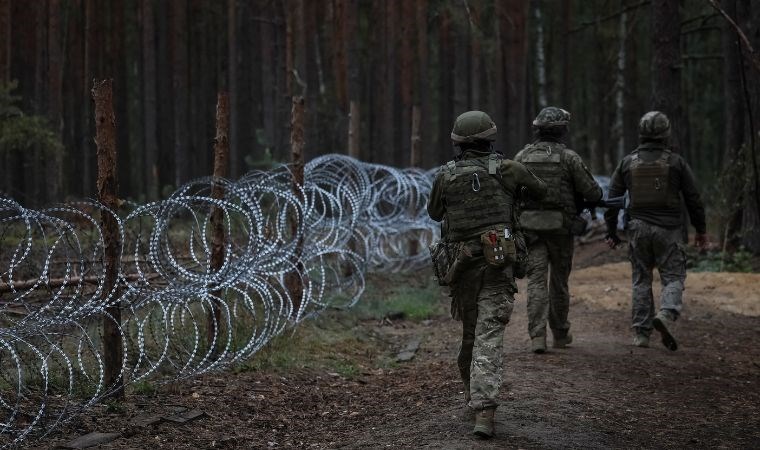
[352, 218]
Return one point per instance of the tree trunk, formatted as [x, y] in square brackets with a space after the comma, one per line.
[36, 159]
[308, 41]
[406, 75]
[108, 188]
[446, 115]
[72, 85]
[511, 16]
[634, 103]
[390, 101]
[5, 77]
[5, 41]
[423, 83]
[180, 91]
[128, 164]
[55, 96]
[221, 170]
[732, 88]
[620, 86]
[354, 81]
[566, 15]
[234, 84]
[293, 280]
[354, 130]
[90, 58]
[666, 69]
[734, 124]
[751, 82]
[340, 59]
[150, 100]
[540, 56]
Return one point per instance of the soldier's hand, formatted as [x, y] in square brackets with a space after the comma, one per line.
[612, 240]
[701, 241]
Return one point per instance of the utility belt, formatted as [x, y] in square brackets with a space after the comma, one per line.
[497, 247]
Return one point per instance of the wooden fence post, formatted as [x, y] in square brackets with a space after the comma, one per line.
[293, 281]
[221, 168]
[107, 185]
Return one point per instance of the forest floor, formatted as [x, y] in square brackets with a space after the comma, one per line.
[336, 383]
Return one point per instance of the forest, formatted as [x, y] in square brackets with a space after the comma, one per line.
[214, 223]
[376, 77]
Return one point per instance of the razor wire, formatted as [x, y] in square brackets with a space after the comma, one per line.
[348, 219]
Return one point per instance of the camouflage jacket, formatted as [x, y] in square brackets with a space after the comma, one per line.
[575, 180]
[512, 176]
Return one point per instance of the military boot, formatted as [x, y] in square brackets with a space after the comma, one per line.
[467, 392]
[484, 423]
[562, 341]
[538, 344]
[641, 340]
[664, 323]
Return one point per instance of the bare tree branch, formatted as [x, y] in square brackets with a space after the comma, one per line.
[584, 25]
[742, 37]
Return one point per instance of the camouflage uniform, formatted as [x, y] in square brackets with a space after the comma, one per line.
[547, 226]
[656, 180]
[483, 295]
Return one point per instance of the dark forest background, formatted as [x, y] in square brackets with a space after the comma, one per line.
[369, 70]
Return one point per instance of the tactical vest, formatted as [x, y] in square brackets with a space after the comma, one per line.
[475, 198]
[546, 161]
[650, 183]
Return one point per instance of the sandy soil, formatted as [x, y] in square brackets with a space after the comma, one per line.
[600, 393]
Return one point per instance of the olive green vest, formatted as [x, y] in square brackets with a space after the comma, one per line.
[650, 183]
[546, 161]
[475, 199]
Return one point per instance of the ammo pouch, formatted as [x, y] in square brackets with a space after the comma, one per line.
[447, 258]
[498, 247]
[442, 258]
[543, 220]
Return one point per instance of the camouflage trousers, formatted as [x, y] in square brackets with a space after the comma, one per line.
[550, 259]
[484, 297]
[652, 246]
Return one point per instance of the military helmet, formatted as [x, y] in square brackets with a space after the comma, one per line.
[552, 117]
[473, 126]
[654, 125]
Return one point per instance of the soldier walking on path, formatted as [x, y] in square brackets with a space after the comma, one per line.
[550, 225]
[656, 179]
[474, 195]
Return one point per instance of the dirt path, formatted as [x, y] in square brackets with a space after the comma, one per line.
[601, 393]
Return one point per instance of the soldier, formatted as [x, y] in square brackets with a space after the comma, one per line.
[475, 194]
[656, 179]
[550, 225]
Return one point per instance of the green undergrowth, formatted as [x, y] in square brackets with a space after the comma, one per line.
[329, 342]
[401, 297]
[343, 342]
[718, 261]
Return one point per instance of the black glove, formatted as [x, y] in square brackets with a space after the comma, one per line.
[612, 240]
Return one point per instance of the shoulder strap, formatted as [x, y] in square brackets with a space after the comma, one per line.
[493, 163]
[451, 171]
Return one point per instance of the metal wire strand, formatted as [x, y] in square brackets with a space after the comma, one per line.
[349, 218]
